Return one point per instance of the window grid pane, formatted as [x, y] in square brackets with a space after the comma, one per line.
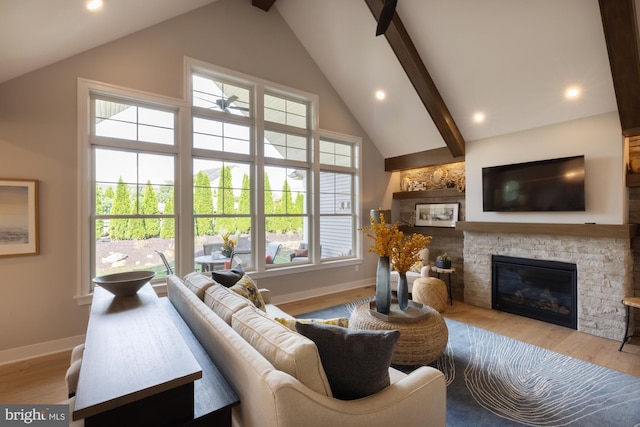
[216, 95]
[134, 123]
[285, 146]
[336, 154]
[286, 112]
[221, 136]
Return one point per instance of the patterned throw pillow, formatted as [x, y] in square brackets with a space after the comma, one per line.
[356, 361]
[290, 322]
[416, 267]
[248, 289]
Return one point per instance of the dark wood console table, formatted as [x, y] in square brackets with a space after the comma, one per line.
[139, 367]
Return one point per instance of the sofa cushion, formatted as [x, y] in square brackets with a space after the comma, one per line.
[197, 283]
[224, 302]
[228, 278]
[287, 351]
[356, 362]
[290, 322]
[248, 289]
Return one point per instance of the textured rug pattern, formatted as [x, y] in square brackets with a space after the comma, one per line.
[493, 380]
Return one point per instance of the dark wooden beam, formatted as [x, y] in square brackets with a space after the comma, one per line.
[263, 4]
[438, 156]
[621, 34]
[407, 54]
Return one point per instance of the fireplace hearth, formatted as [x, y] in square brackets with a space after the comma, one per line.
[538, 289]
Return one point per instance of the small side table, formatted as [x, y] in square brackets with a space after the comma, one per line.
[448, 272]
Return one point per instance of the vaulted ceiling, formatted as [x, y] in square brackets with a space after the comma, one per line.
[440, 62]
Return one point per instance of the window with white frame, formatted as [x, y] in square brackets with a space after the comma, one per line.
[266, 189]
[132, 146]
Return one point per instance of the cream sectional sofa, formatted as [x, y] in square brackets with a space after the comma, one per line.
[278, 375]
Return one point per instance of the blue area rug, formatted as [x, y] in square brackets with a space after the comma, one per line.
[493, 380]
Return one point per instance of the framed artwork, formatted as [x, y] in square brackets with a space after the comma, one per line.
[436, 214]
[18, 217]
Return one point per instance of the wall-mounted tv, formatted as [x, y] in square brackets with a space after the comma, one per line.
[544, 185]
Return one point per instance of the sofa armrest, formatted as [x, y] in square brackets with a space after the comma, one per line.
[266, 295]
[417, 399]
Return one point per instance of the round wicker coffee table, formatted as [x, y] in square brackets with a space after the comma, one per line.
[420, 343]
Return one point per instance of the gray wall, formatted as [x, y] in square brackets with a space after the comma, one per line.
[38, 140]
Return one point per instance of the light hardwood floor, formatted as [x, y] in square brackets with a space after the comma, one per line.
[41, 380]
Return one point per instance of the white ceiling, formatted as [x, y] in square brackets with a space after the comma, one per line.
[511, 59]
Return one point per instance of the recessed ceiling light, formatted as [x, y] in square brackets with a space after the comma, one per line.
[478, 117]
[94, 5]
[380, 94]
[572, 93]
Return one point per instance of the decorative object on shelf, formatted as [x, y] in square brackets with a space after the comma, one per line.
[436, 214]
[418, 186]
[461, 183]
[439, 177]
[19, 214]
[376, 213]
[405, 184]
[227, 245]
[443, 261]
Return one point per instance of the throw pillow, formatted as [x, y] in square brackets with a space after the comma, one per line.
[356, 361]
[290, 322]
[248, 289]
[228, 278]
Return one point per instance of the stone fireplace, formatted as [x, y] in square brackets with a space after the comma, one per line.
[602, 255]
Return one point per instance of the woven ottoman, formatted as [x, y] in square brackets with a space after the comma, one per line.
[430, 291]
[420, 343]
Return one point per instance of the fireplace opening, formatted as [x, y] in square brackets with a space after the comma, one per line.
[538, 289]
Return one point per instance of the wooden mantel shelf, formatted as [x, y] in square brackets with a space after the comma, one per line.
[624, 231]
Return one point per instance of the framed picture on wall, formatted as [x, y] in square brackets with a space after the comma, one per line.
[18, 217]
[436, 214]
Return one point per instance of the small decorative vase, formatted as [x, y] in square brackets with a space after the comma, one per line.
[383, 285]
[403, 291]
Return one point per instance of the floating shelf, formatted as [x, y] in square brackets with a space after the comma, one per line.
[427, 194]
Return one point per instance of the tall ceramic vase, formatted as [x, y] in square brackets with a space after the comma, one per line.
[403, 291]
[383, 286]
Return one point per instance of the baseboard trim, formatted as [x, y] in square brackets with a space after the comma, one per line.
[41, 349]
[327, 290]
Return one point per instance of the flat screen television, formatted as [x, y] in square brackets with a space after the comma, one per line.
[544, 185]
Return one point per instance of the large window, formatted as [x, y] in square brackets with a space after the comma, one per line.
[238, 173]
[133, 152]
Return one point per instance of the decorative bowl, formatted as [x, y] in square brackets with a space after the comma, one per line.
[124, 284]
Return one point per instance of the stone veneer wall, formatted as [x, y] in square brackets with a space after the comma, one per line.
[605, 272]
